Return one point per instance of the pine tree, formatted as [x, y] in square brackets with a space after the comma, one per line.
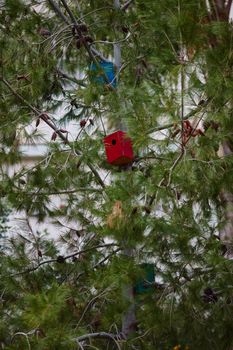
[168, 213]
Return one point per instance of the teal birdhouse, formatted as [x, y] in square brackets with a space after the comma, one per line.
[146, 279]
[105, 71]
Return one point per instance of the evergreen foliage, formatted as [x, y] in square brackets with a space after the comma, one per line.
[167, 208]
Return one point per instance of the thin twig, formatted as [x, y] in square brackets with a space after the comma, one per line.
[56, 34]
[172, 47]
[91, 303]
[80, 345]
[25, 335]
[98, 335]
[111, 42]
[94, 11]
[174, 165]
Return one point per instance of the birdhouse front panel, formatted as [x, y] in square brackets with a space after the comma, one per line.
[106, 70]
[118, 147]
[145, 282]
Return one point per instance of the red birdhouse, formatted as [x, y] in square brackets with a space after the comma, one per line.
[118, 147]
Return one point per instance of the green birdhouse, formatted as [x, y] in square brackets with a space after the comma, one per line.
[146, 280]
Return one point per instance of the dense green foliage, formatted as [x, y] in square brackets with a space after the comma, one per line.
[167, 208]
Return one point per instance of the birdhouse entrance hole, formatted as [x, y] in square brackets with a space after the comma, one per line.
[118, 147]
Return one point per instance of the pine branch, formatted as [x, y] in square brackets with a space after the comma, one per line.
[189, 115]
[97, 264]
[112, 42]
[69, 12]
[91, 304]
[58, 192]
[64, 18]
[24, 335]
[98, 54]
[52, 125]
[36, 331]
[32, 269]
[57, 10]
[174, 165]
[89, 50]
[74, 80]
[106, 258]
[86, 45]
[126, 5]
[91, 248]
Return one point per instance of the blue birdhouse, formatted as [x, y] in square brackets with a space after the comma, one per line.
[146, 280]
[105, 71]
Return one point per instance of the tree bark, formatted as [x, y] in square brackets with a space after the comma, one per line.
[226, 233]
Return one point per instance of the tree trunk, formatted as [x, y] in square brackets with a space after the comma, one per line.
[226, 233]
[129, 318]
